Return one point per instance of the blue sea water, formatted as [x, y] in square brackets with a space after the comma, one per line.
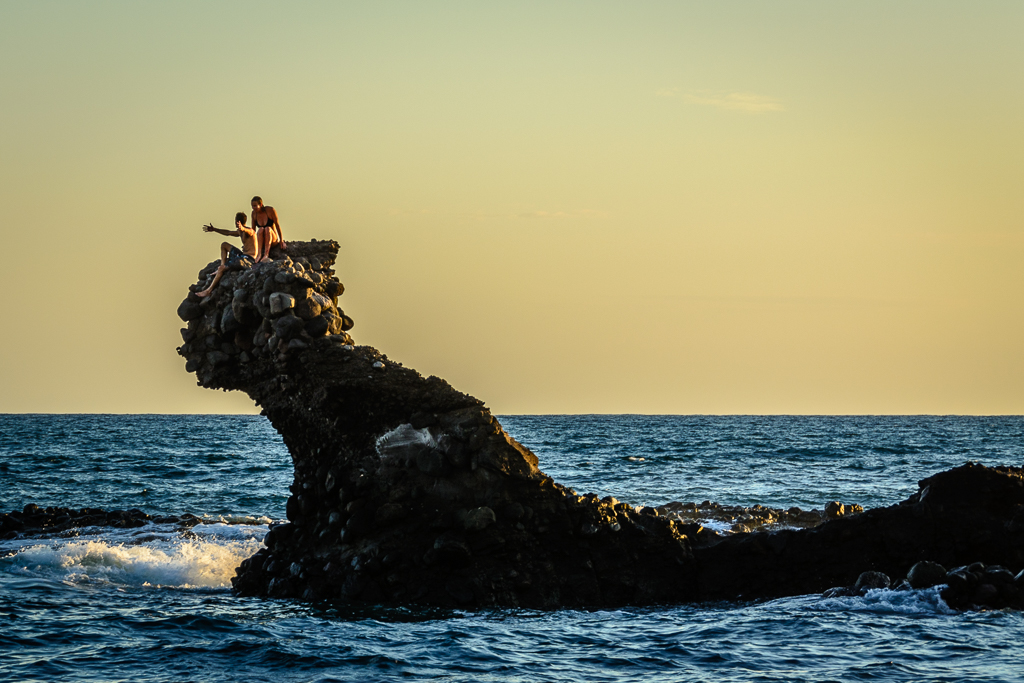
[153, 603]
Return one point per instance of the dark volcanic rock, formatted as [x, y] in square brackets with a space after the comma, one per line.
[870, 580]
[956, 516]
[926, 574]
[405, 489]
[408, 491]
[34, 520]
[977, 586]
[754, 518]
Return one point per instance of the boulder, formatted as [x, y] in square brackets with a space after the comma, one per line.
[335, 289]
[334, 322]
[228, 321]
[189, 311]
[281, 302]
[308, 308]
[288, 326]
[217, 357]
[835, 509]
[997, 576]
[926, 574]
[317, 327]
[870, 580]
[479, 519]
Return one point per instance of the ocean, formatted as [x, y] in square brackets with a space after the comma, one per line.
[154, 603]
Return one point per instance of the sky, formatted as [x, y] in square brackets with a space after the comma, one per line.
[559, 207]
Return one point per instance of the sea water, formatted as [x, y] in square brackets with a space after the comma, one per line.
[154, 604]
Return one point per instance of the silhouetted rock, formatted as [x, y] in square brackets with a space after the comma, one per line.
[34, 520]
[869, 581]
[755, 518]
[977, 586]
[956, 516]
[408, 491]
[926, 574]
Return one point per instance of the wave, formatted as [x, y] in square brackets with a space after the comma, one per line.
[237, 519]
[884, 600]
[203, 560]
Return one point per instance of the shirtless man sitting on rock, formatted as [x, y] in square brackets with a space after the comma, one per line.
[231, 258]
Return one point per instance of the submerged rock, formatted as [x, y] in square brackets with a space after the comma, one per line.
[408, 491]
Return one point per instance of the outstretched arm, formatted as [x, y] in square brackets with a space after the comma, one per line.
[230, 233]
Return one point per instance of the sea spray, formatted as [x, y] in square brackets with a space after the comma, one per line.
[181, 563]
[887, 601]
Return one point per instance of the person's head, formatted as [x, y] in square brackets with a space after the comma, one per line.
[257, 202]
[240, 218]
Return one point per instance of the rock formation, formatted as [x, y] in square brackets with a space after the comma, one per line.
[974, 586]
[742, 519]
[243, 332]
[964, 515]
[408, 491]
[33, 520]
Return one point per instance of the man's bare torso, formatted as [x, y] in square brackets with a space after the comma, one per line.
[248, 236]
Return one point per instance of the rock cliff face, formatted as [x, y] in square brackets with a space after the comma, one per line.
[408, 491]
[405, 489]
[257, 319]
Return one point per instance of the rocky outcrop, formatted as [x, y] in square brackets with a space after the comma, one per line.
[741, 519]
[34, 520]
[246, 329]
[408, 491]
[975, 586]
[967, 514]
[405, 489]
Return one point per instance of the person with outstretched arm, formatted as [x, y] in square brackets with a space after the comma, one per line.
[231, 257]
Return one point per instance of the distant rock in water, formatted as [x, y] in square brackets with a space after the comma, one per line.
[740, 519]
[34, 520]
[407, 491]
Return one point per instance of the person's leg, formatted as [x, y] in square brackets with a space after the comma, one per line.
[224, 249]
[260, 248]
[216, 279]
[265, 240]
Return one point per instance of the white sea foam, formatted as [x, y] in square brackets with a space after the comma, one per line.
[230, 531]
[923, 601]
[179, 564]
[715, 524]
[237, 519]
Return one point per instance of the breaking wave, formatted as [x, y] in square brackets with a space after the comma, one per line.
[883, 600]
[203, 558]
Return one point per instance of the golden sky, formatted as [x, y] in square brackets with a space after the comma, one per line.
[560, 207]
